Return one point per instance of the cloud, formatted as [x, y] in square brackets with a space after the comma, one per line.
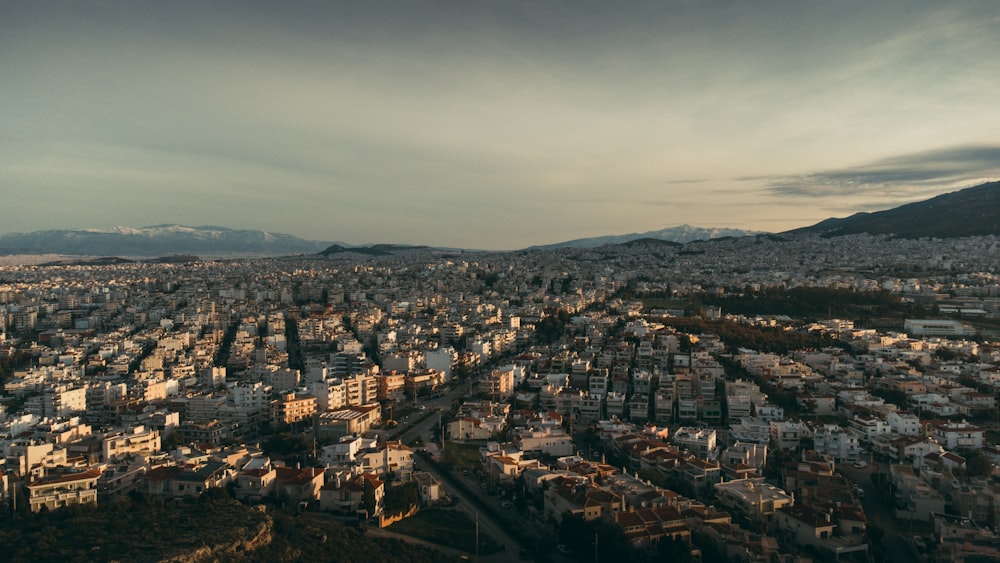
[908, 175]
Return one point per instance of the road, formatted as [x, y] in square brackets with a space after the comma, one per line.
[424, 421]
[880, 513]
[487, 524]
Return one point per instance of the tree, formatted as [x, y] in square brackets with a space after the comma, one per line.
[976, 463]
[401, 498]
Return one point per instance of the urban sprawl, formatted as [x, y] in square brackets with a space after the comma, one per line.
[560, 396]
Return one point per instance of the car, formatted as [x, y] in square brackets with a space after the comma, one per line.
[861, 464]
[506, 504]
[563, 548]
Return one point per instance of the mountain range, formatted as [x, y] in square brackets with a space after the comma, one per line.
[970, 212]
[158, 240]
[680, 234]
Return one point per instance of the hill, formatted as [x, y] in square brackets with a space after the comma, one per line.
[965, 213]
[215, 529]
[373, 250]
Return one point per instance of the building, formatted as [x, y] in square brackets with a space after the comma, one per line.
[498, 385]
[753, 499]
[936, 327]
[140, 441]
[699, 441]
[63, 489]
[905, 423]
[350, 421]
[958, 435]
[292, 408]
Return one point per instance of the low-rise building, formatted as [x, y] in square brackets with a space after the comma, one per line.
[63, 489]
[753, 499]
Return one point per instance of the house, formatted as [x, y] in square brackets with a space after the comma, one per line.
[298, 485]
[63, 489]
[905, 423]
[700, 474]
[753, 499]
[256, 480]
[550, 441]
[785, 435]
[353, 420]
[646, 526]
[139, 440]
[468, 428]
[176, 481]
[958, 435]
[838, 443]
[699, 441]
[588, 501]
[361, 495]
[387, 457]
[430, 488]
[835, 528]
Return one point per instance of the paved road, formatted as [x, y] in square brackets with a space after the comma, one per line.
[880, 513]
[487, 524]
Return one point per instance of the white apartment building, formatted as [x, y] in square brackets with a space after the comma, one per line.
[751, 429]
[868, 427]
[699, 441]
[553, 442]
[957, 435]
[905, 423]
[785, 435]
[836, 442]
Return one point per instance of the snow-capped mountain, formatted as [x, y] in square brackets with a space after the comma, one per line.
[680, 234]
[158, 240]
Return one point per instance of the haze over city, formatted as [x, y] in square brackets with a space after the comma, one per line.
[490, 125]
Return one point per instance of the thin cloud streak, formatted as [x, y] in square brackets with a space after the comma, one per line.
[909, 175]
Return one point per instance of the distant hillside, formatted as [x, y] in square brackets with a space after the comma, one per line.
[373, 250]
[157, 240]
[650, 243]
[679, 234]
[965, 213]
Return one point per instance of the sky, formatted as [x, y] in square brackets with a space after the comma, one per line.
[489, 124]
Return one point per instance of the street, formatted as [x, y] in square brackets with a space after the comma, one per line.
[880, 512]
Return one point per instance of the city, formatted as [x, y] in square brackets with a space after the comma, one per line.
[764, 398]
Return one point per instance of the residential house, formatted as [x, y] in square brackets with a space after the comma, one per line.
[754, 500]
[62, 489]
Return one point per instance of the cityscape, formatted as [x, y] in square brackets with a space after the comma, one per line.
[497, 281]
[758, 398]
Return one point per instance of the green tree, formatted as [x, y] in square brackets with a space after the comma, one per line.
[401, 498]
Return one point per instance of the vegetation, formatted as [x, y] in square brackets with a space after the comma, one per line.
[765, 339]
[809, 302]
[400, 498]
[976, 463]
[287, 446]
[552, 327]
[451, 528]
[612, 545]
[461, 456]
[215, 528]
